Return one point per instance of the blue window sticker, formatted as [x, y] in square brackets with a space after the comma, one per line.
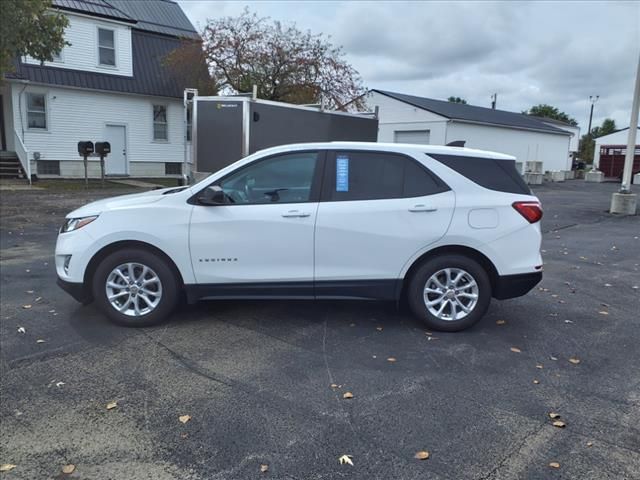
[342, 173]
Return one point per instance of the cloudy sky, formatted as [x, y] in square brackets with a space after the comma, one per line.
[558, 53]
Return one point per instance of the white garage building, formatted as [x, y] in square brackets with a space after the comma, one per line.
[411, 119]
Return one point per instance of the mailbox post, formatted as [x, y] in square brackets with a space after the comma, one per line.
[85, 149]
[103, 149]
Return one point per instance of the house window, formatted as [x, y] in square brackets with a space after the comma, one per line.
[106, 47]
[48, 167]
[172, 168]
[36, 110]
[160, 127]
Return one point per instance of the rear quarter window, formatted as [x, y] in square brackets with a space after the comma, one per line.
[498, 175]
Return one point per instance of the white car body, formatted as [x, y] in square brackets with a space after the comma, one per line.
[294, 248]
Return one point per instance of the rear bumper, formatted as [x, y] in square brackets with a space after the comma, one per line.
[76, 290]
[511, 286]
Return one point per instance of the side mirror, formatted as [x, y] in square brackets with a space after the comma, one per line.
[212, 195]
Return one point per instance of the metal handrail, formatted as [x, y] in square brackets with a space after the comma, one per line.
[23, 155]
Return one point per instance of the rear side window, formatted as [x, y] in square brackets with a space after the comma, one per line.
[377, 175]
[499, 175]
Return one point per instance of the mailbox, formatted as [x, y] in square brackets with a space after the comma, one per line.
[103, 148]
[85, 148]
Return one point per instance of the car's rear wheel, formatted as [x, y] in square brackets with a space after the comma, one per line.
[135, 288]
[450, 292]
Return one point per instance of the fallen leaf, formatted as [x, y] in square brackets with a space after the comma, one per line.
[21, 330]
[608, 285]
[603, 312]
[347, 395]
[539, 366]
[501, 322]
[184, 435]
[26, 307]
[38, 299]
[29, 291]
[112, 405]
[59, 384]
[68, 469]
[421, 455]
[559, 424]
[589, 444]
[553, 358]
[346, 459]
[574, 360]
[39, 340]
[554, 465]
[184, 418]
[334, 385]
[7, 467]
[568, 321]
[379, 329]
[428, 333]
[535, 381]
[515, 349]
[554, 415]
[391, 359]
[264, 467]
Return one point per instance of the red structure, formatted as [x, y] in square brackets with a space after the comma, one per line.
[612, 160]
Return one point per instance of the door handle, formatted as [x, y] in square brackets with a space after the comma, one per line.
[423, 208]
[295, 213]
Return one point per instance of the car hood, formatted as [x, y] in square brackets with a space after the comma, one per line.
[122, 201]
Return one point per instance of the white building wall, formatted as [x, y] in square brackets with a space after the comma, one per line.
[74, 115]
[399, 116]
[551, 149]
[82, 54]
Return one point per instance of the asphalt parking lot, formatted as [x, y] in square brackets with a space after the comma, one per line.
[255, 377]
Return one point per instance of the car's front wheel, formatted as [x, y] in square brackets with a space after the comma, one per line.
[135, 288]
[450, 292]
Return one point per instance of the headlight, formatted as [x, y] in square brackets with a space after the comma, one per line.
[72, 224]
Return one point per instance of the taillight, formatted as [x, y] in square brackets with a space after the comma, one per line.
[532, 211]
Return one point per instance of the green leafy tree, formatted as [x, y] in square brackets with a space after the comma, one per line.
[587, 142]
[29, 27]
[284, 62]
[457, 100]
[548, 111]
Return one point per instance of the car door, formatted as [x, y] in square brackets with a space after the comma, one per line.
[377, 210]
[263, 232]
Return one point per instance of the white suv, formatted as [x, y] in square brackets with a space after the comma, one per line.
[445, 228]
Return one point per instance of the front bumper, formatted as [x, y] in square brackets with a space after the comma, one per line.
[511, 286]
[77, 290]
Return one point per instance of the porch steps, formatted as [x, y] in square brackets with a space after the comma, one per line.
[10, 166]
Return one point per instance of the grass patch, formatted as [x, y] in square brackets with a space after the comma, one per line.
[76, 185]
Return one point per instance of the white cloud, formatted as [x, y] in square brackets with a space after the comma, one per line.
[529, 53]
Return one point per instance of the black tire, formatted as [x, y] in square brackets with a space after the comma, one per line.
[169, 283]
[415, 292]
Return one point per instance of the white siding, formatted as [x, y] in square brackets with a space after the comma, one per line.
[82, 54]
[75, 115]
[399, 116]
[551, 149]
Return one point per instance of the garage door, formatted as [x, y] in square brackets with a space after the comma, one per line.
[420, 137]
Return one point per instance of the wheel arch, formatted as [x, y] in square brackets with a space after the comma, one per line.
[472, 253]
[119, 245]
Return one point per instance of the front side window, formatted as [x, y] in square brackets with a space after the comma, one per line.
[282, 179]
[377, 175]
[36, 110]
[160, 125]
[106, 47]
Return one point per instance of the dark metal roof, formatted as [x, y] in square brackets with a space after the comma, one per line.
[159, 16]
[150, 77]
[471, 113]
[97, 8]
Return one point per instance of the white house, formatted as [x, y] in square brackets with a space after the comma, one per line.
[411, 119]
[110, 84]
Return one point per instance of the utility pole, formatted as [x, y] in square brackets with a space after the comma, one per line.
[593, 101]
[624, 201]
